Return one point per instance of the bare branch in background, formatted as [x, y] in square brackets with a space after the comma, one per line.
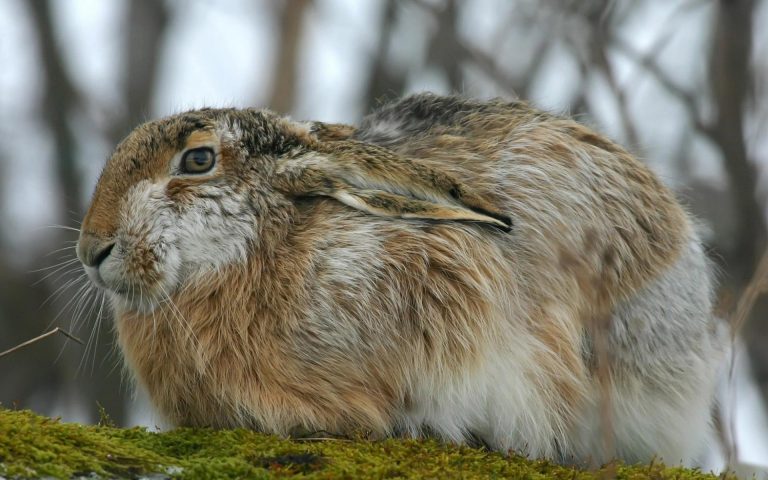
[291, 24]
[445, 49]
[600, 58]
[594, 58]
[730, 74]
[59, 102]
[649, 63]
[383, 80]
[516, 85]
[146, 25]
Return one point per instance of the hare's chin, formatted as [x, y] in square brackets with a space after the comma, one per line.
[125, 295]
[143, 304]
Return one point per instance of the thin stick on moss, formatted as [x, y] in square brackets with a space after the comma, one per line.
[41, 337]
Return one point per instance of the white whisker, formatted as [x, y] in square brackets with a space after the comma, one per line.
[63, 288]
[63, 249]
[77, 298]
[65, 266]
[60, 227]
[91, 343]
[180, 318]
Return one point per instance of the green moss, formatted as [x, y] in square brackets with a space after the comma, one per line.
[35, 446]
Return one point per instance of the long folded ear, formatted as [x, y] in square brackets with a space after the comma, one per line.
[378, 181]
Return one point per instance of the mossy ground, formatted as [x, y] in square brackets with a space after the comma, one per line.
[36, 446]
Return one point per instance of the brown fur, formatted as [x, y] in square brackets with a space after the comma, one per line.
[290, 339]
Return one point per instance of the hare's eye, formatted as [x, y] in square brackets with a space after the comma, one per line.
[198, 160]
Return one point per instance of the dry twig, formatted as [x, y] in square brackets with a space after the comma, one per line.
[41, 337]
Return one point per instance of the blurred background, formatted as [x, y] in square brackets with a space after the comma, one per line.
[683, 84]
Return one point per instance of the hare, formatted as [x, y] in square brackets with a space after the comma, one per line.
[447, 268]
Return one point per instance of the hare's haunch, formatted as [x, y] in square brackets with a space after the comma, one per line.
[446, 267]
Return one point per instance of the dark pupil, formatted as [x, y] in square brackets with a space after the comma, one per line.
[200, 157]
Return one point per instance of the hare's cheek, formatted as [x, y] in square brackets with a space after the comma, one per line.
[216, 232]
[145, 258]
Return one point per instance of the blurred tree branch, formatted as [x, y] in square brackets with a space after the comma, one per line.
[730, 75]
[145, 28]
[454, 51]
[283, 93]
[649, 63]
[383, 80]
[59, 102]
[445, 50]
[599, 53]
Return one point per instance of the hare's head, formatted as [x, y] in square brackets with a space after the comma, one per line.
[189, 194]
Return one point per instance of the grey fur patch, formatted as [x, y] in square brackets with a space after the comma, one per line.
[419, 113]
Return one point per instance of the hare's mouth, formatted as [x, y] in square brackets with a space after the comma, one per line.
[127, 295]
[127, 290]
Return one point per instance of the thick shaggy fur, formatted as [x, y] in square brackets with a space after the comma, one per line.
[437, 270]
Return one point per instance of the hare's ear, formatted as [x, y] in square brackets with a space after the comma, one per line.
[377, 181]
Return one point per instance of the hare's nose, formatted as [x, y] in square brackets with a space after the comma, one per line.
[92, 251]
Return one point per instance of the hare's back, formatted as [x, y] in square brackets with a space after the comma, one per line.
[571, 192]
